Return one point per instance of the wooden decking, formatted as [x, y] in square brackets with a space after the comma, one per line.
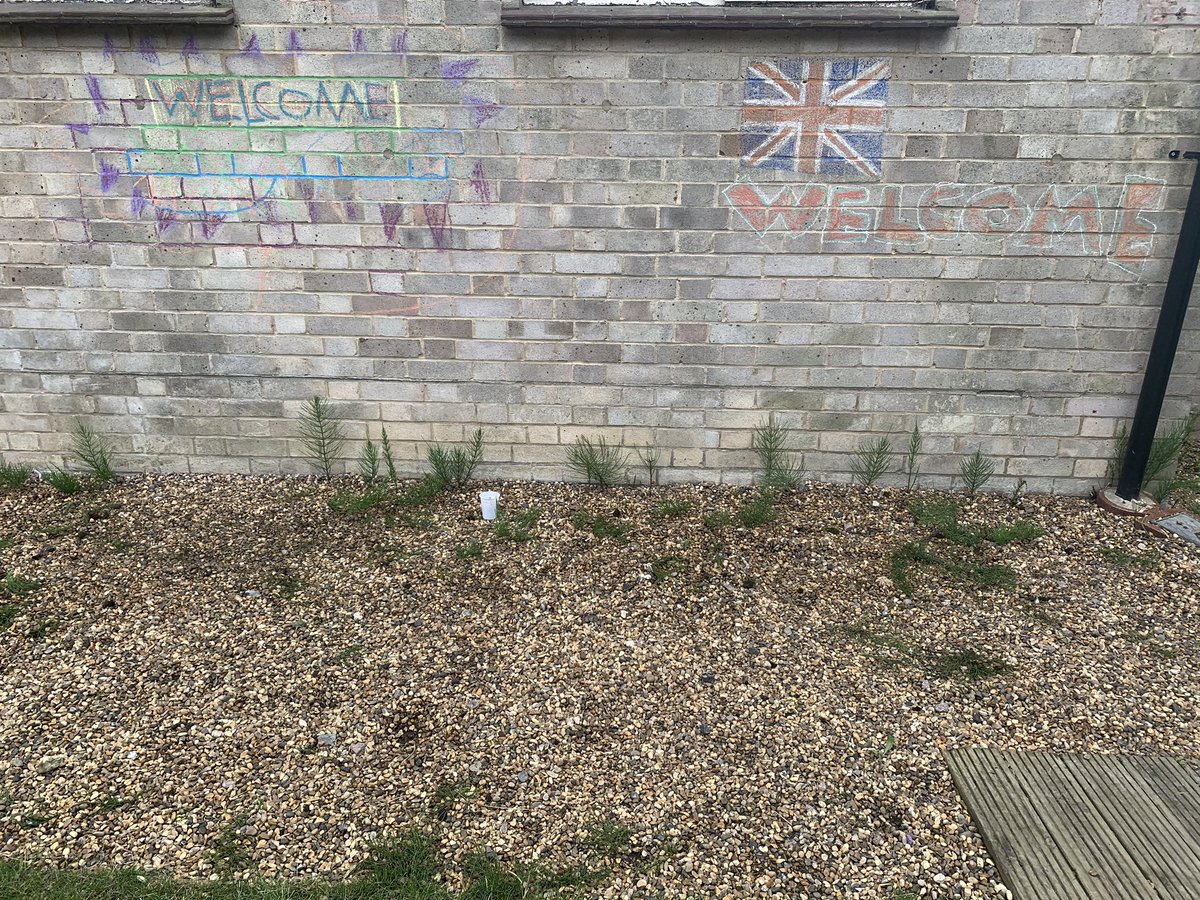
[1086, 826]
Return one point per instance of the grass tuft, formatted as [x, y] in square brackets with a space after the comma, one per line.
[975, 471]
[601, 463]
[66, 483]
[759, 510]
[447, 794]
[778, 466]
[1014, 533]
[673, 509]
[601, 526]
[352, 503]
[18, 585]
[518, 526]
[13, 476]
[872, 461]
[664, 567]
[607, 837]
[456, 465]
[469, 550]
[322, 434]
[94, 453]
[715, 521]
[968, 665]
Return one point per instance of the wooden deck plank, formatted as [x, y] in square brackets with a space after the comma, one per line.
[1167, 863]
[1169, 778]
[1085, 826]
[1022, 846]
[1098, 861]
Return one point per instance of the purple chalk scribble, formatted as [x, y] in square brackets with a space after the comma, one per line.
[353, 211]
[437, 218]
[93, 86]
[137, 201]
[270, 213]
[110, 47]
[163, 218]
[390, 213]
[400, 43]
[252, 48]
[359, 42]
[78, 127]
[480, 184]
[459, 71]
[210, 223]
[108, 176]
[293, 45]
[190, 49]
[482, 110]
[146, 49]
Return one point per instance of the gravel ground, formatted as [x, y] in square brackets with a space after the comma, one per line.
[217, 659]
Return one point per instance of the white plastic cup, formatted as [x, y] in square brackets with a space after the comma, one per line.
[487, 504]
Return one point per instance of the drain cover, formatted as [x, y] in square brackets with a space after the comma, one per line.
[1187, 527]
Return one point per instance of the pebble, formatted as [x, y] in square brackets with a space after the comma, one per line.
[561, 682]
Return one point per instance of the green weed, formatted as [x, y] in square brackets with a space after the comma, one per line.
[975, 471]
[8, 614]
[518, 526]
[322, 434]
[1124, 559]
[778, 466]
[759, 510]
[422, 492]
[406, 867]
[891, 649]
[673, 509]
[607, 837]
[968, 665]
[1015, 532]
[912, 456]
[469, 550]
[601, 527]
[388, 459]
[715, 521]
[94, 452]
[18, 585]
[13, 476]
[368, 462]
[456, 465]
[649, 460]
[63, 481]
[872, 461]
[351, 503]
[664, 567]
[447, 794]
[601, 464]
[229, 849]
[348, 655]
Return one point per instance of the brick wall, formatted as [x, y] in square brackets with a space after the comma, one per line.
[438, 223]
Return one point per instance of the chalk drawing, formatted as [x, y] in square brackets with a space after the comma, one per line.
[1086, 220]
[817, 117]
[325, 129]
[275, 151]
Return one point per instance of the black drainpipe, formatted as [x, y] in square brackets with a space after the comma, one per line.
[1166, 340]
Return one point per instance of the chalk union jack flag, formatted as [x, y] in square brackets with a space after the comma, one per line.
[819, 117]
